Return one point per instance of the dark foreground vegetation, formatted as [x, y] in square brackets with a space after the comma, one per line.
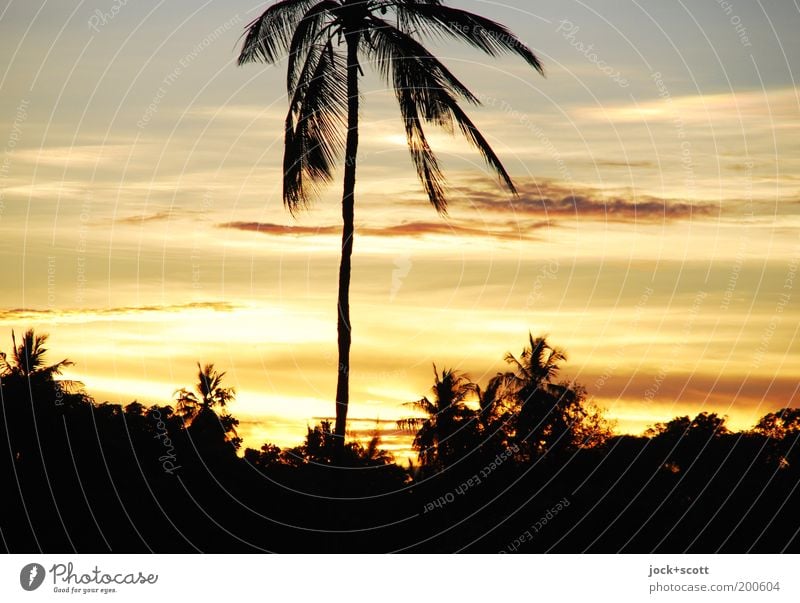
[523, 464]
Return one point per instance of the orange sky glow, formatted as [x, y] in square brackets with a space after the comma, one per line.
[656, 236]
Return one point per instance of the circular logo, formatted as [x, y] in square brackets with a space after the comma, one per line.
[31, 576]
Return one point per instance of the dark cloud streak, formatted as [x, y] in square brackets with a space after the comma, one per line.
[510, 231]
[538, 205]
[555, 202]
[143, 218]
[38, 314]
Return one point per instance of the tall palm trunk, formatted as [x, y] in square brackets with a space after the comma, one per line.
[348, 199]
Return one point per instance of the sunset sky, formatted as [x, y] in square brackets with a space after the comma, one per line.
[656, 236]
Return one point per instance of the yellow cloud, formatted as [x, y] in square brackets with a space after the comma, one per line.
[768, 107]
[78, 155]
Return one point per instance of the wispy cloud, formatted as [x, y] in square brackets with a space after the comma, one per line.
[489, 212]
[49, 190]
[268, 228]
[539, 205]
[614, 210]
[623, 164]
[274, 112]
[405, 229]
[769, 107]
[415, 229]
[20, 314]
[79, 155]
[152, 217]
[551, 201]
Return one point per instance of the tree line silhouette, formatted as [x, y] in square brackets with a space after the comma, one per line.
[523, 464]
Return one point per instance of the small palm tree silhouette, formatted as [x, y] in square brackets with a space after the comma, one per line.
[445, 432]
[208, 393]
[540, 414]
[27, 358]
[538, 364]
[27, 364]
[198, 408]
[323, 90]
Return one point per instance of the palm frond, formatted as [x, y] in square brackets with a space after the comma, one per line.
[411, 424]
[484, 34]
[305, 35]
[267, 38]
[315, 125]
[511, 359]
[28, 357]
[6, 368]
[489, 397]
[425, 161]
[543, 358]
[473, 135]
[423, 405]
[187, 404]
[452, 389]
[70, 386]
[426, 89]
[419, 81]
[388, 45]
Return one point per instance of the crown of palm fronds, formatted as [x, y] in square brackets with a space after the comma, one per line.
[208, 392]
[28, 358]
[444, 414]
[311, 34]
[450, 390]
[538, 364]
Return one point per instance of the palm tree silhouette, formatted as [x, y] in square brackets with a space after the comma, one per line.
[27, 369]
[538, 364]
[541, 409]
[445, 433]
[198, 407]
[495, 414]
[208, 393]
[33, 394]
[323, 91]
[27, 358]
